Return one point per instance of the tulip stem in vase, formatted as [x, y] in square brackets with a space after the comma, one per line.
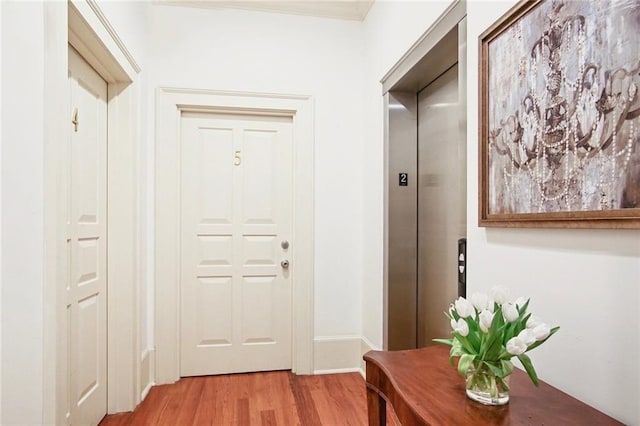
[485, 387]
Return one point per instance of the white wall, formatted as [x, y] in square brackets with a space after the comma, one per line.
[1, 213]
[129, 19]
[586, 281]
[22, 212]
[245, 51]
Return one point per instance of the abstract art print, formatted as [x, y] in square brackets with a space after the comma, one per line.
[560, 115]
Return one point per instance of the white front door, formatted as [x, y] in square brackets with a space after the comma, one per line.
[86, 234]
[236, 185]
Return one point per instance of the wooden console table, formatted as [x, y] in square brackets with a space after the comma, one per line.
[424, 389]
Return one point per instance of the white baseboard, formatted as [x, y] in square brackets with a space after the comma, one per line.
[332, 355]
[340, 354]
[365, 347]
[335, 354]
[337, 371]
[147, 368]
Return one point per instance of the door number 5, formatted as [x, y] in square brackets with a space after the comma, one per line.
[237, 159]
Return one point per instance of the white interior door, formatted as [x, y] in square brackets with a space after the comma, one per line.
[236, 213]
[87, 246]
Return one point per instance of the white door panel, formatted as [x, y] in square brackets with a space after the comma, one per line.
[236, 210]
[86, 239]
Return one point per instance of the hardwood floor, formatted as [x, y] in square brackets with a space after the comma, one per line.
[271, 398]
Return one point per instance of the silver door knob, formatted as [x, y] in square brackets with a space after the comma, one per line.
[284, 263]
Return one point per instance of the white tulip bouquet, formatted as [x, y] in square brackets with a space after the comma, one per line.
[487, 332]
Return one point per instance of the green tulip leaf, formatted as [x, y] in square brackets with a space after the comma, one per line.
[465, 362]
[528, 366]
[473, 336]
[507, 367]
[499, 372]
[456, 350]
[523, 309]
[466, 345]
[494, 337]
[493, 346]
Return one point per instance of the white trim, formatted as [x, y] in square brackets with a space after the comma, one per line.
[147, 367]
[83, 24]
[1, 216]
[347, 10]
[340, 354]
[365, 347]
[368, 346]
[441, 26]
[170, 102]
[338, 371]
[336, 354]
[146, 391]
[122, 48]
[341, 338]
[101, 46]
[123, 250]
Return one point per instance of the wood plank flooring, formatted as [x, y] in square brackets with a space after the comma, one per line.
[271, 398]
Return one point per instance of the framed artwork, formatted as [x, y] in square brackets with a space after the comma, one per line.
[559, 125]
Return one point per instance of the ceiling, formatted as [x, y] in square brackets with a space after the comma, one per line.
[339, 9]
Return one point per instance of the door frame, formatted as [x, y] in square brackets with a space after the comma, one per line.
[82, 24]
[170, 103]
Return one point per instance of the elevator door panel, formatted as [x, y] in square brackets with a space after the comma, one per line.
[441, 202]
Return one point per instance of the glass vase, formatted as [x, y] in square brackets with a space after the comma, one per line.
[485, 387]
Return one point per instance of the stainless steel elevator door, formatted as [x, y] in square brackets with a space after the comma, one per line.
[441, 202]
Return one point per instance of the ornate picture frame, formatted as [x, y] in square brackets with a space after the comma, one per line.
[559, 119]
